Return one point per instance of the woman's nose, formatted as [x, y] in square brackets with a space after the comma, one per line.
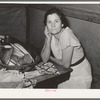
[53, 25]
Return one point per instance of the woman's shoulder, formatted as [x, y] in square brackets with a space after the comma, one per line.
[65, 38]
[67, 32]
[69, 38]
[68, 29]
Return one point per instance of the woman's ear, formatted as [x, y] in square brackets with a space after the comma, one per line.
[62, 25]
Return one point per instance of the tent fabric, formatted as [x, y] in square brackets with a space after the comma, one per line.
[13, 21]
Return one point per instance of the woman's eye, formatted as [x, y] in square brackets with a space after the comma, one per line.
[57, 21]
[49, 21]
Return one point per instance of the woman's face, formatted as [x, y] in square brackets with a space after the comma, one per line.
[54, 23]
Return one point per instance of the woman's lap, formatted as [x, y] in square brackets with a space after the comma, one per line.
[80, 78]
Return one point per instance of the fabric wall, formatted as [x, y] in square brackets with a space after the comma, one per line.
[13, 21]
[36, 27]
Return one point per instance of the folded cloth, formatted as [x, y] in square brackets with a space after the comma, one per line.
[47, 68]
[10, 76]
[32, 74]
[20, 51]
[15, 54]
[6, 55]
[9, 84]
[27, 83]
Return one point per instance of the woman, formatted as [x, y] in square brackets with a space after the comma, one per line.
[66, 49]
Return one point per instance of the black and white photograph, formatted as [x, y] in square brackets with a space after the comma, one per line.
[50, 46]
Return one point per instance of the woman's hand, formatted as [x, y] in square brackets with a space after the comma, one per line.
[47, 33]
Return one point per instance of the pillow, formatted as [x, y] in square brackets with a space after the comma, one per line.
[7, 52]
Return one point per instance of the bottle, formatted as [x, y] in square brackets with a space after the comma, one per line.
[7, 40]
[0, 45]
[1, 48]
[2, 42]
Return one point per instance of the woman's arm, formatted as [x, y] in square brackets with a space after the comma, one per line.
[46, 51]
[66, 57]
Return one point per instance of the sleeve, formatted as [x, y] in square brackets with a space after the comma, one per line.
[69, 39]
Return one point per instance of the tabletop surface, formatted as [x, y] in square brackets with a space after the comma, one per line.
[60, 69]
[43, 78]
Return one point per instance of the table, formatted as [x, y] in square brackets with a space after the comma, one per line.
[52, 81]
[45, 81]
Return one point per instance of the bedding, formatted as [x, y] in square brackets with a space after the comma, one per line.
[16, 79]
[19, 65]
[14, 55]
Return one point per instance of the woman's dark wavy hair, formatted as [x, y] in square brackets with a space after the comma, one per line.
[59, 13]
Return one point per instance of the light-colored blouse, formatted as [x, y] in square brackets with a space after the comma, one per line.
[67, 38]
